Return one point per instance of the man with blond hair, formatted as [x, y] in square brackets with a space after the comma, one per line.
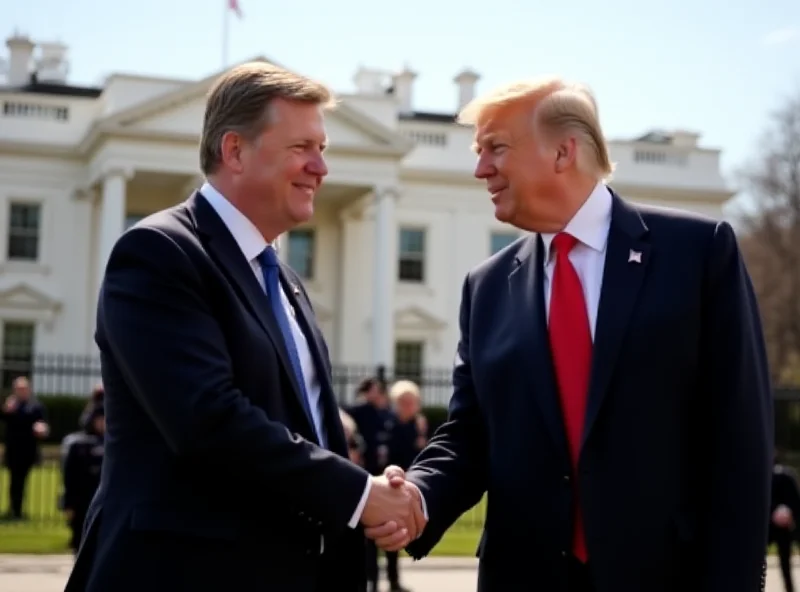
[611, 388]
[226, 465]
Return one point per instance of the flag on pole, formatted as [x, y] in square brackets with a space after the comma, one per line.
[230, 6]
[233, 5]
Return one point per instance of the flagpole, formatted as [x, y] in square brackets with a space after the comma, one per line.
[225, 27]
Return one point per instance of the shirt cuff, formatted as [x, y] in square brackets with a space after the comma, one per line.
[421, 500]
[361, 505]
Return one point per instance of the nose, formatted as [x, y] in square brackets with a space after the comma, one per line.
[316, 165]
[484, 167]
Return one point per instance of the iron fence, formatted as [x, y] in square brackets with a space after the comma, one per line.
[77, 375]
[44, 488]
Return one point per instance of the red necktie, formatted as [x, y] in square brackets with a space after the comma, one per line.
[571, 347]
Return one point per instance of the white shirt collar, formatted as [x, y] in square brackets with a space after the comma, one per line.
[246, 235]
[590, 223]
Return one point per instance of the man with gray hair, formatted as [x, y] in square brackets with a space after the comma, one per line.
[611, 391]
[226, 465]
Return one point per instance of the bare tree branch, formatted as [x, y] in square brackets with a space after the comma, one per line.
[771, 237]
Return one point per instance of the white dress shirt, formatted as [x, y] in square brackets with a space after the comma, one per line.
[590, 226]
[252, 243]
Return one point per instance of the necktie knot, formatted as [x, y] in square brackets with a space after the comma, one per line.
[564, 243]
[268, 257]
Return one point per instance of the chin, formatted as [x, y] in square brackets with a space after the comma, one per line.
[304, 214]
[503, 215]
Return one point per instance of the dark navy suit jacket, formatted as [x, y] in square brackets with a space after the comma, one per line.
[212, 478]
[675, 466]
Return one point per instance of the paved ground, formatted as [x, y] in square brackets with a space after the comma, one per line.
[20, 573]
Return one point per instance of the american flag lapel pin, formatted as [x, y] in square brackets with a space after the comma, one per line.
[634, 256]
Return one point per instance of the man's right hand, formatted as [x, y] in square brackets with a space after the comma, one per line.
[393, 507]
[395, 534]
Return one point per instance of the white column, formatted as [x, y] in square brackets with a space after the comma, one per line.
[384, 266]
[111, 217]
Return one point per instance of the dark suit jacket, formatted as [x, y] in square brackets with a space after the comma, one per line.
[212, 479]
[22, 446]
[675, 465]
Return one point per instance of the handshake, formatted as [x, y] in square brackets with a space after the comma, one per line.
[393, 515]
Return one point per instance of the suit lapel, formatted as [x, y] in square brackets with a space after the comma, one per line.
[627, 259]
[535, 366]
[305, 318]
[222, 246]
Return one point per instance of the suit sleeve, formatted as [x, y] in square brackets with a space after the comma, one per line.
[740, 428]
[155, 322]
[451, 471]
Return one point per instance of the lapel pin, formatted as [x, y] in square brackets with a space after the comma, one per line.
[634, 256]
[295, 290]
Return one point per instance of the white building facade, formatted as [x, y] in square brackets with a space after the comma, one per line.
[398, 223]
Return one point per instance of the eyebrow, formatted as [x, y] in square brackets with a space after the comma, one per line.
[487, 139]
[312, 142]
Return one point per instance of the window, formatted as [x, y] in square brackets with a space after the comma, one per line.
[13, 109]
[411, 266]
[300, 247]
[17, 352]
[408, 360]
[500, 240]
[23, 232]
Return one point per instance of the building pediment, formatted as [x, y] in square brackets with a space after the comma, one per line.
[178, 115]
[415, 318]
[25, 297]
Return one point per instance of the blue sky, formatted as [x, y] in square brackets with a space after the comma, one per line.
[711, 66]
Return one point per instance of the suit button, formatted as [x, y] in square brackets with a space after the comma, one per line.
[566, 478]
[563, 553]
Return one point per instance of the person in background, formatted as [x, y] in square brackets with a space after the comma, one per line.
[374, 422]
[82, 465]
[784, 507]
[26, 425]
[406, 439]
[355, 443]
[96, 398]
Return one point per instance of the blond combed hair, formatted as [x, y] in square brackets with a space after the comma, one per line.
[558, 107]
[404, 387]
[239, 101]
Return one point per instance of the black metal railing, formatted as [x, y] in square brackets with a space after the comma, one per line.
[44, 488]
[68, 374]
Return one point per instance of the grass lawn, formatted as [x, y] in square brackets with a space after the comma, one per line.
[44, 540]
[46, 531]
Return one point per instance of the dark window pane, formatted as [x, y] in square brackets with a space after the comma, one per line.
[301, 252]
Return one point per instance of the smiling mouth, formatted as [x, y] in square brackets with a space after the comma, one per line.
[307, 189]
